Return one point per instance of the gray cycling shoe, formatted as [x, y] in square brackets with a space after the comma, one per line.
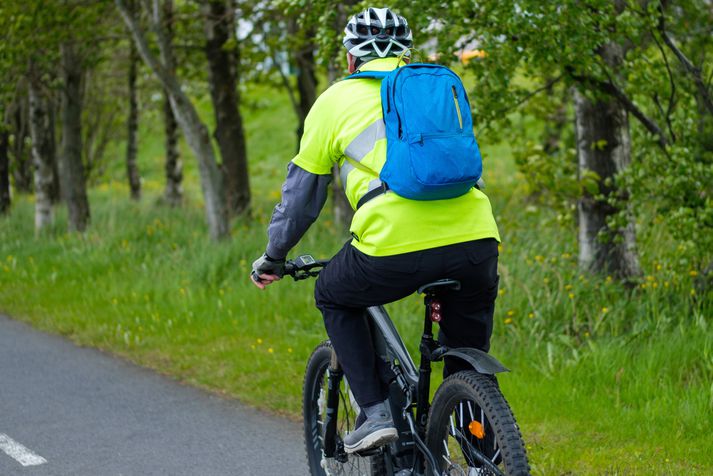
[377, 430]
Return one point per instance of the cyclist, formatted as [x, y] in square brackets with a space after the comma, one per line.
[397, 245]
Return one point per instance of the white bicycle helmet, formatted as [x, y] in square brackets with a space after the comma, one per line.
[377, 33]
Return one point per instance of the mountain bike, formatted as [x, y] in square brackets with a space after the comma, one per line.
[468, 429]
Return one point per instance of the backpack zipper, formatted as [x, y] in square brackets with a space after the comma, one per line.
[455, 101]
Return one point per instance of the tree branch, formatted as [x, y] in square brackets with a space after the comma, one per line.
[530, 95]
[167, 80]
[689, 67]
[608, 87]
[671, 98]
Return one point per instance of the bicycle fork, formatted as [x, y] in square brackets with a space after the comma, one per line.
[334, 379]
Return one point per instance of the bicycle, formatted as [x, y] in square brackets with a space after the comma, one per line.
[468, 429]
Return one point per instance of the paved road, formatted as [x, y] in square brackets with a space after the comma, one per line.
[85, 413]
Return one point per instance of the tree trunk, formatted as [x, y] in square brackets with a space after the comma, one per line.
[343, 212]
[604, 147]
[71, 170]
[132, 168]
[43, 151]
[303, 57]
[173, 167]
[193, 128]
[22, 171]
[4, 172]
[54, 189]
[223, 75]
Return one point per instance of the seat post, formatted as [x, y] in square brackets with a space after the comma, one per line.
[424, 370]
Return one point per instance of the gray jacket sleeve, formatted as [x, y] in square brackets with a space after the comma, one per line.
[303, 196]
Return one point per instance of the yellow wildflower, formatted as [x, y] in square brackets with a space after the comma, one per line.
[511, 312]
[605, 310]
[270, 350]
[693, 273]
[571, 295]
[508, 321]
[531, 315]
[568, 287]
[259, 341]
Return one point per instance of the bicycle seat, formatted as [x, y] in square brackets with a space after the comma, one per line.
[438, 285]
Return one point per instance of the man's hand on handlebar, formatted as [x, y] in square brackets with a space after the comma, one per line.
[267, 270]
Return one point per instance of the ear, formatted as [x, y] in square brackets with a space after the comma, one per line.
[351, 63]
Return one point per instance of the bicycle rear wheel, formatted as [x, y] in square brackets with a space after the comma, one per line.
[471, 429]
[314, 412]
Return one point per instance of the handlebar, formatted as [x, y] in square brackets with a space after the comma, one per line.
[304, 267]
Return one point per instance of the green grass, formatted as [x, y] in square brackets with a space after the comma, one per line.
[605, 380]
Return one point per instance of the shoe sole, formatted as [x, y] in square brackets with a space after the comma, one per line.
[378, 438]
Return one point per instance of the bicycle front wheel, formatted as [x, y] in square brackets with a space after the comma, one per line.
[471, 429]
[315, 395]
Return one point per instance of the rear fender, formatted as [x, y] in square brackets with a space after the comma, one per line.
[479, 360]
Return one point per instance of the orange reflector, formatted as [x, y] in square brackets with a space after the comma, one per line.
[477, 430]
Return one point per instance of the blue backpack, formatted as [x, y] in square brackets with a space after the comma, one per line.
[431, 151]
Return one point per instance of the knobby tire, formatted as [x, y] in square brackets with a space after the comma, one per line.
[444, 433]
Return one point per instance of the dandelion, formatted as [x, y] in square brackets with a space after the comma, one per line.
[501, 292]
[571, 295]
[693, 273]
[609, 279]
[650, 278]
[259, 341]
[289, 350]
[270, 351]
[605, 310]
[568, 287]
[659, 267]
[531, 315]
[511, 312]
[508, 321]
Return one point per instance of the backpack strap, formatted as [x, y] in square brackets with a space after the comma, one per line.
[383, 188]
[368, 75]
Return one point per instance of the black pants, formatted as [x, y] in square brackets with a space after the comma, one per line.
[353, 281]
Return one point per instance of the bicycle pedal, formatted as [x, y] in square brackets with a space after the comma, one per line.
[370, 452]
